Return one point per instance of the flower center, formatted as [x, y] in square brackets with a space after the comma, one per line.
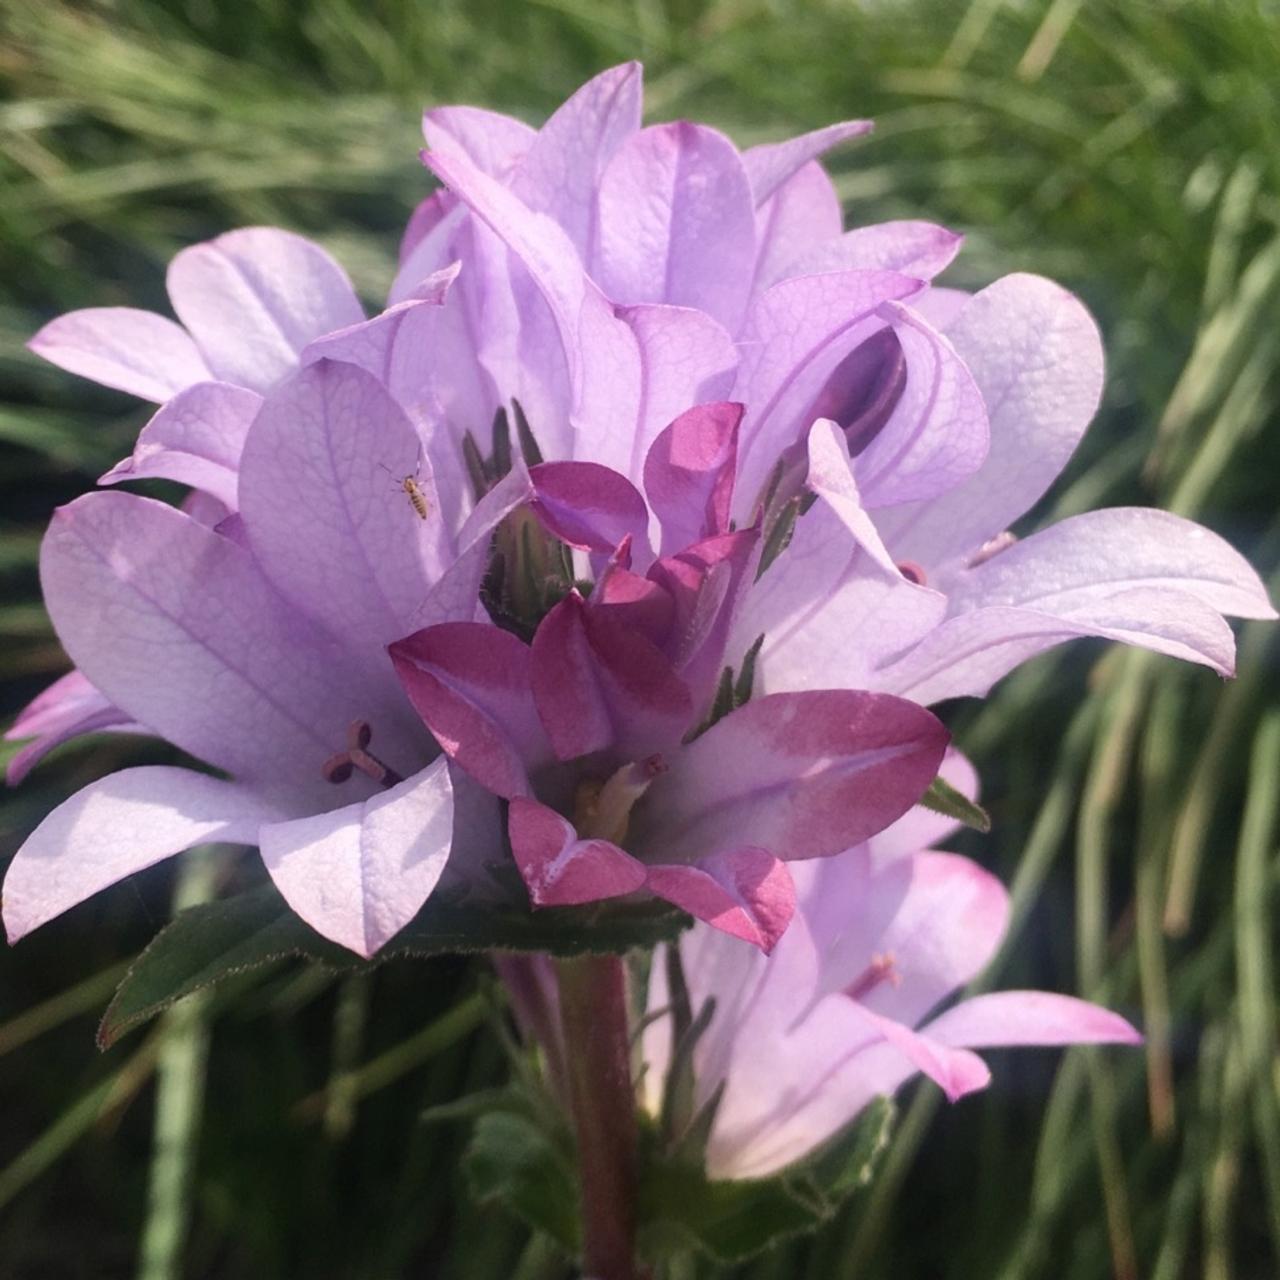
[338, 768]
[602, 810]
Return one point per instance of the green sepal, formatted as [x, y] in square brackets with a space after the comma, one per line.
[732, 1221]
[209, 943]
[943, 798]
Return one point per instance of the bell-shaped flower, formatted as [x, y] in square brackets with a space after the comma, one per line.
[677, 228]
[975, 600]
[258, 648]
[845, 1009]
[254, 302]
[955, 414]
[631, 760]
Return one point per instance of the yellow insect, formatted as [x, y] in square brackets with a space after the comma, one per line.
[418, 499]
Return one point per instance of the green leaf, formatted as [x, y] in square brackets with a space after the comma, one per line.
[515, 1162]
[731, 1221]
[212, 942]
[205, 945]
[943, 798]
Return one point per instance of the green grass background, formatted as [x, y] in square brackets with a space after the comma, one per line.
[1129, 148]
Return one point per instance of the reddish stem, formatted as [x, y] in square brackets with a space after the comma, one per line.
[593, 1014]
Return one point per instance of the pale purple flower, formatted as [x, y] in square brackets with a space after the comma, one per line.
[956, 413]
[845, 1009]
[591, 731]
[258, 648]
[253, 302]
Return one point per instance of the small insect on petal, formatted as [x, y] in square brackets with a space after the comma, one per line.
[417, 499]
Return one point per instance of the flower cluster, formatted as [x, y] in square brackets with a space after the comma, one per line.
[637, 532]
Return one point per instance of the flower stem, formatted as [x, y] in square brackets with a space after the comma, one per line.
[593, 1013]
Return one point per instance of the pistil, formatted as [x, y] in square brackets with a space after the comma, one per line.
[602, 811]
[883, 968]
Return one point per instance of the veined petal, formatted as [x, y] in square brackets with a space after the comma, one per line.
[804, 775]
[677, 223]
[195, 439]
[470, 684]
[770, 165]
[576, 330]
[803, 212]
[1064, 568]
[746, 893]
[120, 824]
[689, 473]
[559, 869]
[455, 595]
[920, 249]
[178, 628]
[254, 298]
[359, 874]
[434, 372]
[493, 142]
[134, 351]
[1036, 356]
[371, 343]
[968, 653]
[937, 433]
[561, 170]
[68, 699]
[686, 358]
[321, 495]
[1004, 1018]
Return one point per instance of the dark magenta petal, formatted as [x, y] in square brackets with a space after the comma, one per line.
[470, 684]
[805, 775]
[689, 471]
[706, 581]
[597, 683]
[744, 892]
[587, 505]
[638, 603]
[559, 869]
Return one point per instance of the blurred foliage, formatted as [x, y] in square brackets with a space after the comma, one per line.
[1129, 149]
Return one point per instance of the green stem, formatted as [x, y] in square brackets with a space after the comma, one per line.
[180, 1079]
[593, 1013]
